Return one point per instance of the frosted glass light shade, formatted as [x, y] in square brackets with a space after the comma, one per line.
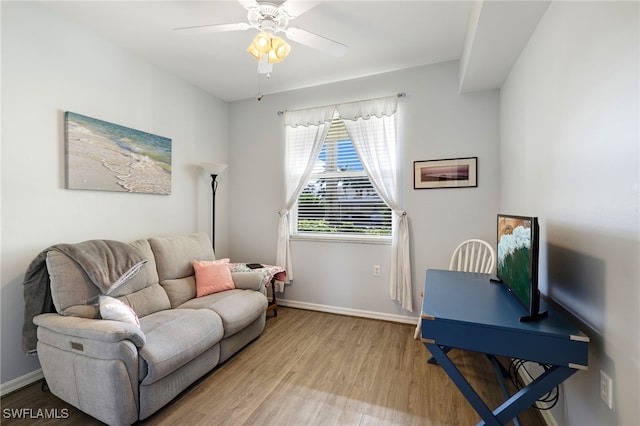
[279, 50]
[254, 52]
[262, 42]
[213, 168]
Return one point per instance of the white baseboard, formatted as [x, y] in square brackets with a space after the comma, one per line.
[548, 418]
[21, 382]
[348, 311]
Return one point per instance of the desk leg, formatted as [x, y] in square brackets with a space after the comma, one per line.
[458, 379]
[513, 406]
[532, 392]
[273, 306]
[433, 361]
[500, 375]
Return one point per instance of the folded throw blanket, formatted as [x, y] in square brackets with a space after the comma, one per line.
[107, 263]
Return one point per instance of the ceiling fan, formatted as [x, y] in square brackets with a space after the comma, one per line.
[274, 18]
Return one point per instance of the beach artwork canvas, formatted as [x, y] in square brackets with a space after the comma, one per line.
[108, 157]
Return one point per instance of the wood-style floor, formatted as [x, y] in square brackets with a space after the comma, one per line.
[313, 368]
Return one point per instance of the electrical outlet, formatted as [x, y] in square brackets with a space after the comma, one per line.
[606, 389]
[376, 270]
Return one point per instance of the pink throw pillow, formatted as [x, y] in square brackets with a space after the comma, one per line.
[212, 276]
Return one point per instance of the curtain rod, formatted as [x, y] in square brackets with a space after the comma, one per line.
[399, 95]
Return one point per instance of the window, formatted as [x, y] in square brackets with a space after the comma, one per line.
[339, 199]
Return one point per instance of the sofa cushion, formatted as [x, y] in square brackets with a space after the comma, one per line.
[237, 308]
[148, 300]
[180, 290]
[147, 276]
[74, 294]
[175, 337]
[174, 255]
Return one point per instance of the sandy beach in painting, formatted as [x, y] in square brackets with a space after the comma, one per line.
[103, 156]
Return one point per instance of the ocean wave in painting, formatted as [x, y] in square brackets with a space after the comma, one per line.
[107, 156]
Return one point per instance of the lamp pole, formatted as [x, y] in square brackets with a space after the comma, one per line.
[213, 170]
[214, 187]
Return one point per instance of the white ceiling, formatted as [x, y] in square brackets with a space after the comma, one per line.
[382, 36]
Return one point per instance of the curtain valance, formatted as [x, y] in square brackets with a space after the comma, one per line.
[365, 109]
[309, 117]
[379, 107]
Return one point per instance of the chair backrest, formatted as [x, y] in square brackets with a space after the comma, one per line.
[473, 256]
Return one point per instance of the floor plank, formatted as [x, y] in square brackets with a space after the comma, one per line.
[313, 368]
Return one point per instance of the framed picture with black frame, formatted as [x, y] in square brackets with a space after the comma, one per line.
[446, 173]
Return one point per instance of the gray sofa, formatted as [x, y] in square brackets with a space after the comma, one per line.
[120, 372]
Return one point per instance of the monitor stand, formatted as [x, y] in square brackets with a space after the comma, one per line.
[536, 317]
[526, 318]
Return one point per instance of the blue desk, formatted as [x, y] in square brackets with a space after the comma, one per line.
[466, 311]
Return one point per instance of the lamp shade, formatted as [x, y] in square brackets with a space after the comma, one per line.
[262, 42]
[254, 52]
[213, 168]
[279, 50]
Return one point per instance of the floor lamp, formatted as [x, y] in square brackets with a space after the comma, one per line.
[213, 169]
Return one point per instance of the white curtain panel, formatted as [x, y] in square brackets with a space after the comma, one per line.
[305, 132]
[372, 127]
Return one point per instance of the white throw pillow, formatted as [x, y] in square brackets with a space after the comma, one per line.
[113, 309]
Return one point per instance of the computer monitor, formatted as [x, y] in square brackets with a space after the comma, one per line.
[518, 240]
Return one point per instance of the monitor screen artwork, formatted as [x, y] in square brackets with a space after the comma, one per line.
[518, 243]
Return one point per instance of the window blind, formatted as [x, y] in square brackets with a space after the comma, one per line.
[339, 197]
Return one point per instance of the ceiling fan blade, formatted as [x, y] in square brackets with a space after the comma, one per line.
[316, 41]
[295, 8]
[200, 29]
[248, 4]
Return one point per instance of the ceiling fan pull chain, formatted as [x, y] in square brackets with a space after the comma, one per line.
[259, 96]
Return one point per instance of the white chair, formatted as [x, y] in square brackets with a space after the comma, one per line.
[473, 256]
[470, 256]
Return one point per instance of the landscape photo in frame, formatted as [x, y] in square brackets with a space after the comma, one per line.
[449, 173]
[104, 156]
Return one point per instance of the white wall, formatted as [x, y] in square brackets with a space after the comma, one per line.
[435, 122]
[51, 65]
[569, 142]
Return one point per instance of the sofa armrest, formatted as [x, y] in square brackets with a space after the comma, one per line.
[92, 364]
[94, 329]
[254, 280]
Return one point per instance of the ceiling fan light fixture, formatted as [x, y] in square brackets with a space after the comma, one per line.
[279, 50]
[254, 52]
[262, 42]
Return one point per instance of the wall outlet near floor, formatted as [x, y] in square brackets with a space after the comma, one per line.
[606, 389]
[376, 270]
